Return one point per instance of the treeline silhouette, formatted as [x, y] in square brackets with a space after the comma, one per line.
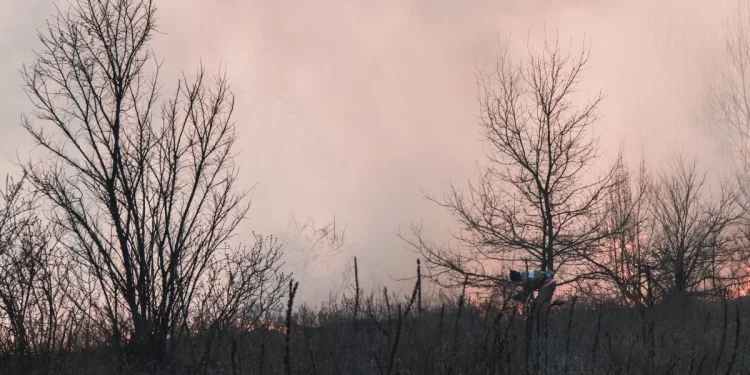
[384, 332]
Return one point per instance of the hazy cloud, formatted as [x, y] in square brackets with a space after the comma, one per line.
[350, 108]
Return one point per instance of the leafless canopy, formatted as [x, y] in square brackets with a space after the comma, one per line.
[730, 99]
[695, 243]
[34, 293]
[676, 238]
[309, 244]
[147, 193]
[730, 104]
[536, 198]
[620, 266]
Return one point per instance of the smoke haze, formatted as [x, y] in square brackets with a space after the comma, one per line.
[350, 108]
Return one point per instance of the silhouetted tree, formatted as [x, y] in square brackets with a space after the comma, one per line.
[146, 193]
[620, 266]
[34, 300]
[730, 104]
[536, 198]
[695, 248]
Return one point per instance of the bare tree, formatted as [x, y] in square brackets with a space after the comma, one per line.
[620, 266]
[536, 199]
[240, 286]
[35, 313]
[695, 237]
[730, 103]
[730, 99]
[147, 194]
[309, 244]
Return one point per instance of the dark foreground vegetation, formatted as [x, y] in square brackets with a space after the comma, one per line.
[390, 334]
[117, 254]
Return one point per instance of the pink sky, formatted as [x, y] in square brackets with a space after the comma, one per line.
[349, 108]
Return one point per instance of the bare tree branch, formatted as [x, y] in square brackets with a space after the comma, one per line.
[535, 199]
[147, 194]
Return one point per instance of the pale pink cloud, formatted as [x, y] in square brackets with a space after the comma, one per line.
[350, 108]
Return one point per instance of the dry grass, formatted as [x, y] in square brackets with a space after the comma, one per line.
[387, 334]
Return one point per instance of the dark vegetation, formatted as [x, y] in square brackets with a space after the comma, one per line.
[449, 335]
[116, 255]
